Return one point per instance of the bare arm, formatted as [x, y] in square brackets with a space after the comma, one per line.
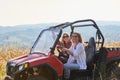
[68, 51]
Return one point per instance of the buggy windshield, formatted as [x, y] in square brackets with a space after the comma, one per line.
[45, 41]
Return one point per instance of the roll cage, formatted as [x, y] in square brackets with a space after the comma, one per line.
[73, 25]
[92, 23]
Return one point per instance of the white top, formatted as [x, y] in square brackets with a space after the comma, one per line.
[78, 55]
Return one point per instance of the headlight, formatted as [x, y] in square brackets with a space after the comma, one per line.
[23, 66]
[119, 65]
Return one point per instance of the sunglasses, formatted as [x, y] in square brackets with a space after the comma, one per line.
[74, 36]
[65, 36]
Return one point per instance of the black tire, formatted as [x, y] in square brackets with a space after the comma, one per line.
[21, 76]
[37, 78]
[45, 73]
[8, 78]
[113, 73]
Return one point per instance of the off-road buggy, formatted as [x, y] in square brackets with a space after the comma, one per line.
[44, 60]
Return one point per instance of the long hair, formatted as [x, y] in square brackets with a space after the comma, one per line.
[63, 36]
[79, 36]
[63, 43]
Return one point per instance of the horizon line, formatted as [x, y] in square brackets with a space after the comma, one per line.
[53, 23]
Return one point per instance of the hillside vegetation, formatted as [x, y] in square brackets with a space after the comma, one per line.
[112, 45]
[7, 53]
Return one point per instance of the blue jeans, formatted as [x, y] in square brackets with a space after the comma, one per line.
[68, 67]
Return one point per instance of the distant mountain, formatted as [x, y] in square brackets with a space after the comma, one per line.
[27, 34]
[107, 23]
[21, 34]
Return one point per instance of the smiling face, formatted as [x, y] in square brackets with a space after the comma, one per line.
[76, 37]
[66, 37]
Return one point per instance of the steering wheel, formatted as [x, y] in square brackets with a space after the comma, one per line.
[63, 56]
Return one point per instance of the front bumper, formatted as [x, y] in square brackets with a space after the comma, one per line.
[11, 69]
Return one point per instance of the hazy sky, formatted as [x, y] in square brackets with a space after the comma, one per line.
[15, 12]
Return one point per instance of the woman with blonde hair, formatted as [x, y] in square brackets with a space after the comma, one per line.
[77, 56]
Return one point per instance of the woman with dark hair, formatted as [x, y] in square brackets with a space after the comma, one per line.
[66, 41]
[77, 56]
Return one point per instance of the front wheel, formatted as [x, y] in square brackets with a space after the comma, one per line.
[38, 77]
[44, 73]
[113, 73]
[8, 78]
